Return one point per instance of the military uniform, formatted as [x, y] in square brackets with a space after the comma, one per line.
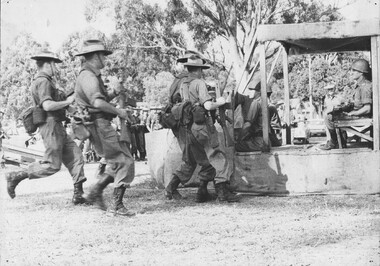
[89, 87]
[59, 147]
[362, 96]
[200, 139]
[90, 91]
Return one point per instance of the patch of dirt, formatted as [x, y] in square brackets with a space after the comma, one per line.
[41, 227]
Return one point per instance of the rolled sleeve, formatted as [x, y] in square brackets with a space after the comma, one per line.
[44, 91]
[201, 88]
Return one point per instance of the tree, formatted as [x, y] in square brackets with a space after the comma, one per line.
[17, 73]
[237, 22]
[145, 41]
[156, 88]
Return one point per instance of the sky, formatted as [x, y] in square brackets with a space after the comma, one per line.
[53, 21]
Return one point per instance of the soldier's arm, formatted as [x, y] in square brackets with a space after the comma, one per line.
[109, 108]
[366, 109]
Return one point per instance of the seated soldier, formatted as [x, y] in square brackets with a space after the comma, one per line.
[251, 135]
[362, 106]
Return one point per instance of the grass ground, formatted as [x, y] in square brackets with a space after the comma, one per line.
[41, 227]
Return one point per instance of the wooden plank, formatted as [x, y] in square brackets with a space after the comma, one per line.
[264, 100]
[375, 56]
[319, 30]
[287, 136]
[355, 132]
[361, 122]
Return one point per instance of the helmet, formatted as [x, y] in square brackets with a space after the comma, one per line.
[361, 65]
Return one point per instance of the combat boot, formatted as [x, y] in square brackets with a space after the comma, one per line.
[95, 196]
[118, 207]
[202, 193]
[78, 194]
[171, 191]
[224, 194]
[13, 179]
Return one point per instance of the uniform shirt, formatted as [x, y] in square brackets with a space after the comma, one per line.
[89, 87]
[198, 92]
[43, 89]
[363, 94]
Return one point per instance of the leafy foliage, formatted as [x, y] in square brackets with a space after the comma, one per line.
[17, 73]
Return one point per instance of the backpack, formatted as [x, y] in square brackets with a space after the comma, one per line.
[180, 113]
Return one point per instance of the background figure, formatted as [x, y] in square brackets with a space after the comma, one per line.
[3, 135]
[134, 127]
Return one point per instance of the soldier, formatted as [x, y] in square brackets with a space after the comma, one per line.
[140, 134]
[60, 148]
[362, 102]
[92, 95]
[201, 139]
[251, 135]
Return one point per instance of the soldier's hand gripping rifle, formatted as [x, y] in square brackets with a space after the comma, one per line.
[229, 142]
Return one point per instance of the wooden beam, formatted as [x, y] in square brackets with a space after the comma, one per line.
[287, 136]
[319, 30]
[375, 58]
[264, 98]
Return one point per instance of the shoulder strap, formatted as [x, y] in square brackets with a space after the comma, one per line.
[184, 89]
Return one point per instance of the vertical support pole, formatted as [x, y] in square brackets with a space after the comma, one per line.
[287, 136]
[375, 58]
[310, 88]
[264, 100]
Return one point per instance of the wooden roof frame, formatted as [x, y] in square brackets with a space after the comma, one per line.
[298, 36]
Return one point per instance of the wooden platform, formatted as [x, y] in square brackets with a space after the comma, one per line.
[287, 170]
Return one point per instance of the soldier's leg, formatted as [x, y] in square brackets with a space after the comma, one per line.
[206, 136]
[52, 136]
[333, 142]
[120, 164]
[184, 171]
[72, 158]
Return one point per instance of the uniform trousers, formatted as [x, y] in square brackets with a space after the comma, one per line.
[106, 141]
[59, 148]
[202, 147]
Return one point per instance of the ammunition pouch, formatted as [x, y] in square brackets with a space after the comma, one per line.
[199, 114]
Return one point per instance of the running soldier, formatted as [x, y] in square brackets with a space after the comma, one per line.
[92, 95]
[59, 147]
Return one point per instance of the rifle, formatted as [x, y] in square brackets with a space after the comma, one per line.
[125, 134]
[222, 115]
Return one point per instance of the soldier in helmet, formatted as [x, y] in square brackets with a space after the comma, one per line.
[361, 75]
[60, 148]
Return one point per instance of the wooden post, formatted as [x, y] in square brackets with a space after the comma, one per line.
[264, 98]
[287, 136]
[375, 58]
